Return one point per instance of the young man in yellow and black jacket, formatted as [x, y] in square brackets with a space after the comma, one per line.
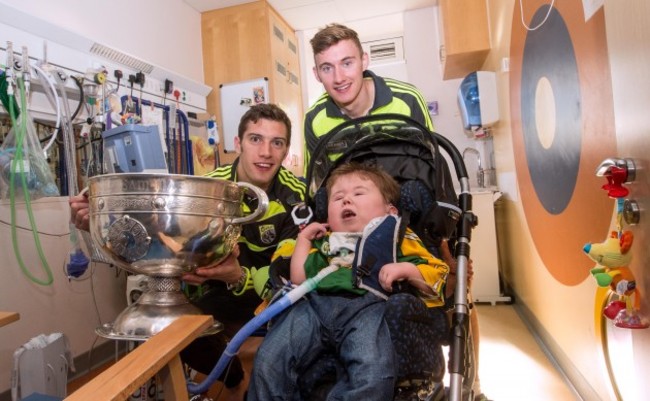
[351, 90]
[232, 290]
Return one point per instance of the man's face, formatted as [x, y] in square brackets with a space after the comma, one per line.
[353, 201]
[340, 70]
[262, 148]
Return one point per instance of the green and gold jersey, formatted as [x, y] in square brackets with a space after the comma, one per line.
[259, 239]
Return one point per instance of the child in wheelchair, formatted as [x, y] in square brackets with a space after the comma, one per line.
[380, 268]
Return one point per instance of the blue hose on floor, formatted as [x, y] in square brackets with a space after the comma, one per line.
[249, 328]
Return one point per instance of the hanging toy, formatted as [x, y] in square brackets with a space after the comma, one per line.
[611, 254]
[629, 317]
[624, 311]
[613, 257]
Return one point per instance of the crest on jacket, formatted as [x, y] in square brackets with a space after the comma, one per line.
[267, 233]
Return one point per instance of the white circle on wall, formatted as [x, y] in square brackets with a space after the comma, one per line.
[545, 112]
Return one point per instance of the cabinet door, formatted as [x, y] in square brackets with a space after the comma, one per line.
[464, 36]
[236, 47]
[286, 62]
[251, 41]
[286, 91]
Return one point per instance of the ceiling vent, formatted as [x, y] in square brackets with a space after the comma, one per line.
[387, 50]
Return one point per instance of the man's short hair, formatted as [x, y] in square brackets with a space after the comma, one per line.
[266, 111]
[331, 35]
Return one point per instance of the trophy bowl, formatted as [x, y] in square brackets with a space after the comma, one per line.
[164, 225]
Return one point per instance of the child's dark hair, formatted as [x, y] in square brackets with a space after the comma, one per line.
[266, 111]
[387, 185]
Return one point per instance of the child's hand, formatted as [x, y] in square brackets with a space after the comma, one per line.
[393, 272]
[314, 230]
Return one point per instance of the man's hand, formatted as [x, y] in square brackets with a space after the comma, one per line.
[227, 271]
[451, 261]
[79, 211]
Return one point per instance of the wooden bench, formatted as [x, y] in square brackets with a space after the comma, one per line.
[158, 355]
[8, 317]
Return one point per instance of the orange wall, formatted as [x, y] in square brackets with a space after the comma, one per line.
[570, 99]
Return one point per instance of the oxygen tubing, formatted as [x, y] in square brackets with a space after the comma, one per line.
[17, 163]
[78, 262]
[249, 328]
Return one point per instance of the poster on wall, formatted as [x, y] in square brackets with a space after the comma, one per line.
[236, 98]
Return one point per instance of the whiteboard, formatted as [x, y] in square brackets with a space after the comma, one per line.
[236, 98]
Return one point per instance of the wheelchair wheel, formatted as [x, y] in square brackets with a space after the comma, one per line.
[470, 368]
[470, 372]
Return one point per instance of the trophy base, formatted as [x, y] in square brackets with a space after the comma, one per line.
[151, 314]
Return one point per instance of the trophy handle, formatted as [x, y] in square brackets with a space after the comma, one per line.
[262, 204]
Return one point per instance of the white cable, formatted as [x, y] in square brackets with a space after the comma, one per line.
[15, 374]
[68, 136]
[43, 75]
[521, 8]
[53, 372]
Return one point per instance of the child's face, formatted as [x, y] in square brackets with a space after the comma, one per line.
[353, 201]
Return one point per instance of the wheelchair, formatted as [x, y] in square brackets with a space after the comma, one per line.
[430, 206]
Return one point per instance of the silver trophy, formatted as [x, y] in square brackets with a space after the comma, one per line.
[163, 225]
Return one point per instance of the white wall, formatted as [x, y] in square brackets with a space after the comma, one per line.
[147, 46]
[165, 33]
[162, 32]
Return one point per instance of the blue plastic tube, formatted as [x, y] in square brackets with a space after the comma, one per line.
[249, 328]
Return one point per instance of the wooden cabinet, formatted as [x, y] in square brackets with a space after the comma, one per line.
[252, 41]
[464, 36]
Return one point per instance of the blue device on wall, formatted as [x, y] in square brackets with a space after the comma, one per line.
[477, 100]
[469, 102]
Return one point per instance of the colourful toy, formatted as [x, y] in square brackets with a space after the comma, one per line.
[612, 254]
[629, 318]
[613, 308]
